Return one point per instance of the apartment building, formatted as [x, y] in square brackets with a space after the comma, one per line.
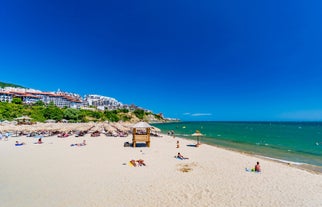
[30, 96]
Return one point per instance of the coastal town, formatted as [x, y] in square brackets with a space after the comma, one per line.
[19, 104]
[62, 99]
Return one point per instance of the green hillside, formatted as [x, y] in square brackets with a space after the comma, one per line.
[39, 112]
[2, 85]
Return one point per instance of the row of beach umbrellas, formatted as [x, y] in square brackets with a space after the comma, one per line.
[66, 127]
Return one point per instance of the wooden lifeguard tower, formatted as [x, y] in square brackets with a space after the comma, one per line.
[141, 133]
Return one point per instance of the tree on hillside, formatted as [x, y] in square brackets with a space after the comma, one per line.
[125, 117]
[111, 116]
[139, 113]
[72, 114]
[37, 113]
[4, 111]
[16, 101]
[123, 110]
[53, 112]
[39, 103]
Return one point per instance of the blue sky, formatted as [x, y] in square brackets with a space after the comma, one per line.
[193, 60]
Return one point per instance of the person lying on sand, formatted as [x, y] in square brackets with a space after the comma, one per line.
[140, 162]
[79, 144]
[19, 144]
[181, 157]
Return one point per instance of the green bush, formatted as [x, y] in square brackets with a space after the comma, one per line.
[139, 113]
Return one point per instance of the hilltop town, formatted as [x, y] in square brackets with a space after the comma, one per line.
[63, 100]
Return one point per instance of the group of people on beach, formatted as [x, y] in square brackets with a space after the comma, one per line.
[257, 167]
[179, 156]
[139, 162]
[41, 142]
[22, 143]
[4, 136]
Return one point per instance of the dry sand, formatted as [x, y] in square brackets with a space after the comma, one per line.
[56, 174]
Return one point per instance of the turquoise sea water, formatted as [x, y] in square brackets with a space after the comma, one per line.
[299, 142]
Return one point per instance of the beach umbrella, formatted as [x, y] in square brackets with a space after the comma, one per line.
[95, 127]
[198, 135]
[121, 127]
[109, 128]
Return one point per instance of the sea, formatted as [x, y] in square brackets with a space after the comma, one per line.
[291, 142]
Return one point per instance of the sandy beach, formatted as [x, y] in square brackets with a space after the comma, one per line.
[99, 174]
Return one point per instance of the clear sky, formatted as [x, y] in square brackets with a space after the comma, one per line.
[193, 60]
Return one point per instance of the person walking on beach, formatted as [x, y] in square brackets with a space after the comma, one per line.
[178, 145]
[172, 133]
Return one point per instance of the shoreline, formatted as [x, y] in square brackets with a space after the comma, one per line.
[303, 166]
[289, 142]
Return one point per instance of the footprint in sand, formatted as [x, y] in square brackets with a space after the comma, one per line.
[186, 167]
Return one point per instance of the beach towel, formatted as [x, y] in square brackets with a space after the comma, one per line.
[131, 164]
[251, 170]
[179, 158]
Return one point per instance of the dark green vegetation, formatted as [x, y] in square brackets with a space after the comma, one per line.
[39, 112]
[2, 85]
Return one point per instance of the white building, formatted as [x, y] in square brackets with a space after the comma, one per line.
[102, 102]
